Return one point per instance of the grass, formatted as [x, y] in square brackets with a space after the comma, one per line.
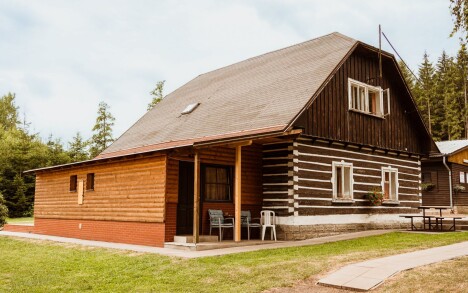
[448, 276]
[29, 220]
[40, 266]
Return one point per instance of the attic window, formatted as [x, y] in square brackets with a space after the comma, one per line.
[189, 109]
[368, 99]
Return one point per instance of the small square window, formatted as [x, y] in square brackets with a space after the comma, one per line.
[73, 182]
[367, 99]
[90, 181]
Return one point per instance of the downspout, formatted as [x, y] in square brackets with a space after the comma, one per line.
[450, 180]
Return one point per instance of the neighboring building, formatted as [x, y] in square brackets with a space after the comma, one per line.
[306, 131]
[445, 176]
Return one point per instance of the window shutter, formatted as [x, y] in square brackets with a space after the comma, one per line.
[80, 191]
[386, 102]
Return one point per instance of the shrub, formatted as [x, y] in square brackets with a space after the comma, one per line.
[458, 188]
[3, 211]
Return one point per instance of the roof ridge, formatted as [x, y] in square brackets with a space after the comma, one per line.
[281, 49]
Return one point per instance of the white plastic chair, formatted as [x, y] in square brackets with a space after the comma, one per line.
[268, 219]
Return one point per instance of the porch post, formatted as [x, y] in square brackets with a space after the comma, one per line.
[237, 195]
[196, 198]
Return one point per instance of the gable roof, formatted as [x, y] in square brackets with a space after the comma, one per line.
[259, 95]
[451, 146]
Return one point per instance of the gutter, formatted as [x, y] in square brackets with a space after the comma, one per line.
[450, 180]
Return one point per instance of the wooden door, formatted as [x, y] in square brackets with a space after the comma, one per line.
[185, 202]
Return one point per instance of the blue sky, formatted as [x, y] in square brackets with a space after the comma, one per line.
[62, 57]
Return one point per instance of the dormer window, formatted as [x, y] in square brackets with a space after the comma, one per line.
[367, 99]
[189, 109]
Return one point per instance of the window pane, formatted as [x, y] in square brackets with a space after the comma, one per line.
[222, 176]
[393, 187]
[210, 192]
[362, 95]
[347, 182]
[338, 182]
[210, 175]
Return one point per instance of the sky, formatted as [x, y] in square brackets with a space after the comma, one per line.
[61, 58]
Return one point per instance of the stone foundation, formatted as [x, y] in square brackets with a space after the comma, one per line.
[301, 232]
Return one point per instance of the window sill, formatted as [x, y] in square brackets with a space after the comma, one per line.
[343, 201]
[391, 202]
[367, 113]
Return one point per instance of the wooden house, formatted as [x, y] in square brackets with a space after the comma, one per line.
[306, 131]
[445, 176]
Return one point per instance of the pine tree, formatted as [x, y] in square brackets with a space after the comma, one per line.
[424, 90]
[157, 94]
[102, 136]
[440, 129]
[78, 148]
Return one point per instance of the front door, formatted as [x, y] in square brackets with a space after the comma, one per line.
[185, 203]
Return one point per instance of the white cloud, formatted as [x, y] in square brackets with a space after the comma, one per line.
[62, 58]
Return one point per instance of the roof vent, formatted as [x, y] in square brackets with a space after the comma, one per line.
[189, 109]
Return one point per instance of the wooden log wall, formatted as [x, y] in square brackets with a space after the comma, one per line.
[329, 116]
[129, 190]
[313, 172]
[278, 178]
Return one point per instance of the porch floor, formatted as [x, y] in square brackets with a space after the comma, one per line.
[216, 245]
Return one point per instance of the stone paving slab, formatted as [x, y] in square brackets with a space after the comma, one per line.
[197, 254]
[369, 274]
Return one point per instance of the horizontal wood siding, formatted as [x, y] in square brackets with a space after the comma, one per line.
[329, 116]
[132, 190]
[440, 195]
[278, 178]
[459, 198]
[313, 168]
[458, 158]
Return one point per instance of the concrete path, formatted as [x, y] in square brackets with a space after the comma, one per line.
[369, 274]
[196, 254]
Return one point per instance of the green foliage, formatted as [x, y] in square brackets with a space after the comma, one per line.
[102, 136]
[8, 112]
[440, 93]
[78, 148]
[157, 94]
[375, 196]
[459, 10]
[3, 211]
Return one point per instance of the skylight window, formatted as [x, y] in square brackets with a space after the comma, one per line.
[189, 109]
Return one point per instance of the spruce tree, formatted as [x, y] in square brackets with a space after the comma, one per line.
[78, 148]
[424, 90]
[8, 112]
[102, 136]
[461, 82]
[157, 94]
[407, 75]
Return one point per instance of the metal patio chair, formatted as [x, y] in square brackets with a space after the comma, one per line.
[217, 220]
[249, 222]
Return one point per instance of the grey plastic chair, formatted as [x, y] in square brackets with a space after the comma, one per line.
[248, 222]
[217, 220]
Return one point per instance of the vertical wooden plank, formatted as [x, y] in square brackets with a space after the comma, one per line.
[237, 194]
[80, 191]
[196, 198]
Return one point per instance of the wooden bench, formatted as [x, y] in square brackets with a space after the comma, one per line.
[440, 220]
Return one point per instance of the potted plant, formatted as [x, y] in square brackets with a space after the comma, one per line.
[375, 196]
[458, 188]
[428, 186]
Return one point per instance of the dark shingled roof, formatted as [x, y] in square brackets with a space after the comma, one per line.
[258, 95]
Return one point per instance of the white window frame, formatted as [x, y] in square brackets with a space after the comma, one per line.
[343, 164]
[390, 170]
[367, 88]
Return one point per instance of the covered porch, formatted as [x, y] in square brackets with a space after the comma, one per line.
[226, 176]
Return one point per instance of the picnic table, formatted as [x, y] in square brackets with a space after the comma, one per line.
[427, 219]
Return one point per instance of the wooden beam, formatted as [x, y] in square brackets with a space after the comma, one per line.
[241, 144]
[237, 195]
[196, 198]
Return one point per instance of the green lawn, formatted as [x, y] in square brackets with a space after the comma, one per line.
[39, 266]
[29, 220]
